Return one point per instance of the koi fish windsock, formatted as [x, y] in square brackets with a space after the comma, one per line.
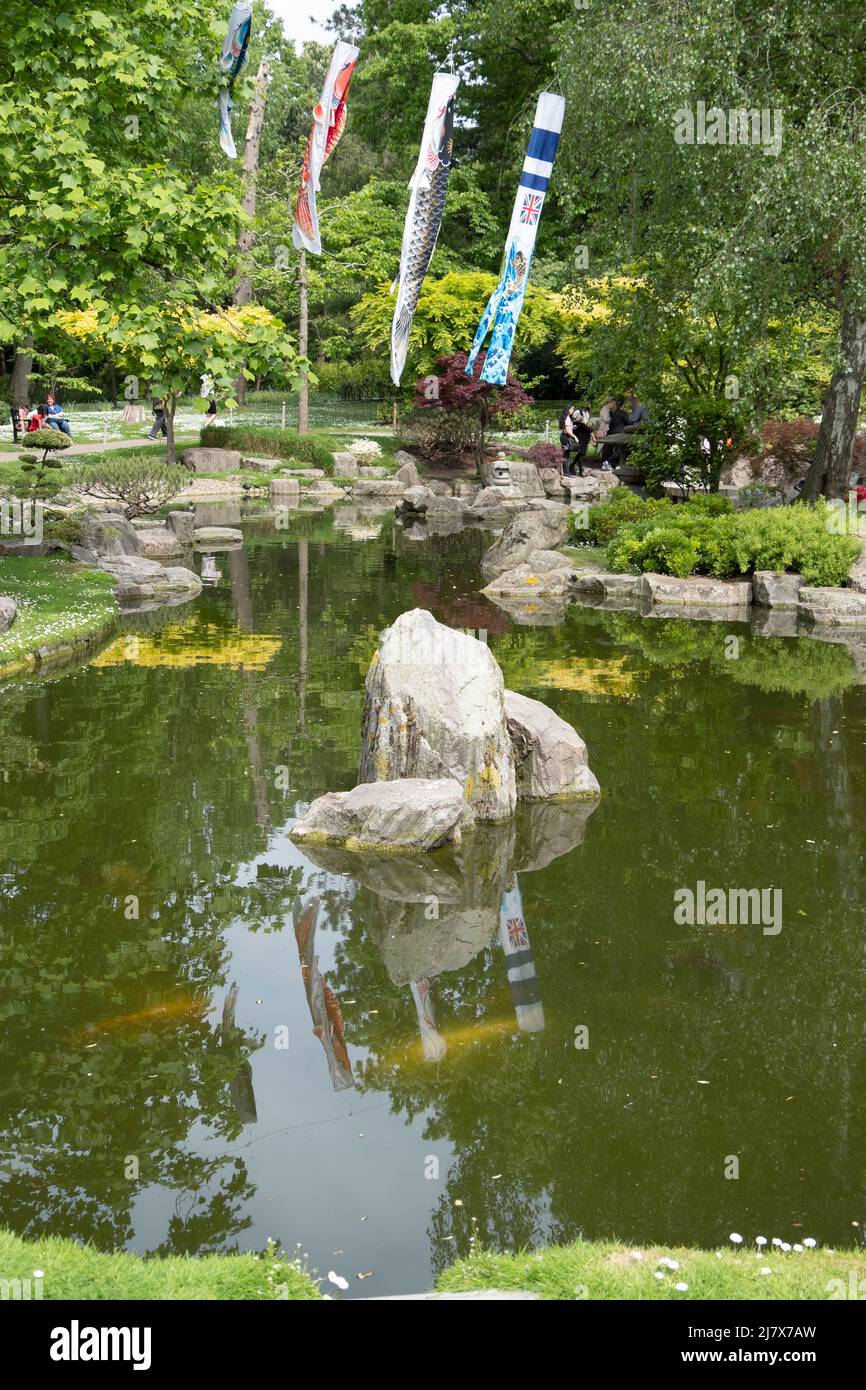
[505, 303]
[232, 60]
[429, 185]
[329, 122]
[522, 978]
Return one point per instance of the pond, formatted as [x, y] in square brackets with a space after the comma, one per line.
[161, 1084]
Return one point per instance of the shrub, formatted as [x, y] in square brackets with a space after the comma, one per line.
[366, 450]
[143, 485]
[622, 508]
[689, 540]
[35, 478]
[438, 433]
[545, 455]
[63, 528]
[689, 441]
[275, 444]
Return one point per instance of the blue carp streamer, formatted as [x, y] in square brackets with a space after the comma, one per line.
[505, 303]
[232, 60]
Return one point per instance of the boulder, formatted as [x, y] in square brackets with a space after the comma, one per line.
[416, 500]
[108, 533]
[525, 533]
[593, 488]
[694, 592]
[8, 613]
[259, 464]
[546, 573]
[372, 470]
[833, 607]
[183, 526]
[410, 813]
[217, 535]
[212, 460]
[551, 481]
[775, 589]
[135, 575]
[285, 487]
[324, 487]
[403, 456]
[857, 577]
[442, 508]
[378, 487]
[345, 464]
[434, 708]
[599, 584]
[525, 478]
[159, 543]
[408, 473]
[550, 757]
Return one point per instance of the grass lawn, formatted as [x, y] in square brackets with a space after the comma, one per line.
[70, 1271]
[58, 606]
[608, 1270]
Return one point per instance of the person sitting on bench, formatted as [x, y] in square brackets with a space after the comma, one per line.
[54, 417]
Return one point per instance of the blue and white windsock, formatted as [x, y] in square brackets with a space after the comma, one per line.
[505, 303]
[232, 60]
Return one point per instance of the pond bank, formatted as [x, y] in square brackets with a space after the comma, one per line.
[611, 1270]
[60, 1269]
[62, 612]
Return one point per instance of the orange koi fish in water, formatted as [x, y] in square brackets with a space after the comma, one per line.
[186, 1007]
[329, 122]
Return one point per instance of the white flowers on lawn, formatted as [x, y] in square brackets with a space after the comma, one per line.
[735, 1239]
[366, 450]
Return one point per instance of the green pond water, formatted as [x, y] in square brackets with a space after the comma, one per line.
[146, 870]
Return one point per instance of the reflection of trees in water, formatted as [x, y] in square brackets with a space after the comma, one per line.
[622, 1139]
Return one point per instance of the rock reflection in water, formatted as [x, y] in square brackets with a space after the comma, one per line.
[432, 914]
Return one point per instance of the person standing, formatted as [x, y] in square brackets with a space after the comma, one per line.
[619, 417]
[159, 425]
[566, 438]
[638, 413]
[583, 434]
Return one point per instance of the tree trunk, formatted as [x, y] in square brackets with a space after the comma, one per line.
[303, 340]
[21, 369]
[247, 238]
[170, 406]
[831, 465]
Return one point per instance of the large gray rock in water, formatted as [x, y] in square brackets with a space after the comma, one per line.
[407, 814]
[694, 592]
[218, 535]
[773, 589]
[285, 487]
[416, 500]
[8, 613]
[212, 460]
[595, 487]
[108, 533]
[833, 607]
[525, 533]
[183, 526]
[159, 543]
[378, 487]
[546, 573]
[138, 577]
[434, 707]
[550, 756]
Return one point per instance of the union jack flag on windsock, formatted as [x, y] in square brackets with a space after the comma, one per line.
[505, 303]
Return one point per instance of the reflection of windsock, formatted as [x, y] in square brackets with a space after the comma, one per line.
[433, 1045]
[323, 1003]
[521, 967]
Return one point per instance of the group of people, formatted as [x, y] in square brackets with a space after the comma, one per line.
[578, 429]
[50, 416]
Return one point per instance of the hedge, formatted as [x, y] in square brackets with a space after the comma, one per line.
[275, 444]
